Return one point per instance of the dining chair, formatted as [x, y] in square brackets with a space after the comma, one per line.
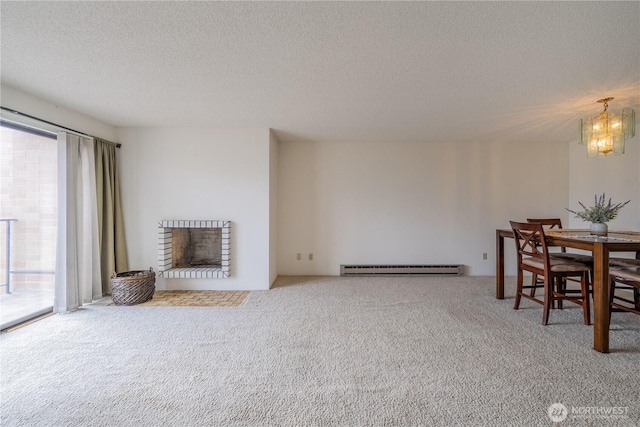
[625, 271]
[548, 224]
[626, 262]
[629, 277]
[533, 255]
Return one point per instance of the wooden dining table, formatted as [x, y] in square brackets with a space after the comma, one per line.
[600, 247]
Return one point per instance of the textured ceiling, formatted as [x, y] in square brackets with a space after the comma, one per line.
[331, 71]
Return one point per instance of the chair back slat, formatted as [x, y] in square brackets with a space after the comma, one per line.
[530, 241]
[548, 222]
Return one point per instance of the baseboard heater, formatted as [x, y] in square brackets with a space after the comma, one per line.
[401, 270]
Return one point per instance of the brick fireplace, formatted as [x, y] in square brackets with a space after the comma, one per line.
[194, 249]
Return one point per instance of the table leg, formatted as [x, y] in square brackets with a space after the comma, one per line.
[499, 266]
[601, 307]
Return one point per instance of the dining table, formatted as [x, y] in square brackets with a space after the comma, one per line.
[600, 247]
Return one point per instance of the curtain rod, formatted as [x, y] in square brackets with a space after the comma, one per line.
[11, 110]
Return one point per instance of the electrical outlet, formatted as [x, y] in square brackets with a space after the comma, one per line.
[484, 255]
[298, 256]
[310, 257]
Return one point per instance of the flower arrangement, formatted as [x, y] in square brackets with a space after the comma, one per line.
[600, 212]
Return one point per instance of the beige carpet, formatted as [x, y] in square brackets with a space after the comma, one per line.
[323, 351]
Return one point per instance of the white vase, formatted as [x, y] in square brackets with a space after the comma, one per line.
[599, 228]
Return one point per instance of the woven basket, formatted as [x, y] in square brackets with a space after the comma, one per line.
[133, 287]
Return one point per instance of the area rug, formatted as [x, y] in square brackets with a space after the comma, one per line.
[197, 298]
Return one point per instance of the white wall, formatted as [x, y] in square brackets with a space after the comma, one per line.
[616, 176]
[273, 207]
[199, 173]
[344, 202]
[376, 203]
[29, 104]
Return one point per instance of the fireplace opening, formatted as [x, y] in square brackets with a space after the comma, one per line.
[196, 247]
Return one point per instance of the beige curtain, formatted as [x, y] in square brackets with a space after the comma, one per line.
[78, 278]
[113, 252]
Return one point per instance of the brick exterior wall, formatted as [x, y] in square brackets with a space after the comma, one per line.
[28, 192]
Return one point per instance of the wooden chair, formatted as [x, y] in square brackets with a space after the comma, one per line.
[629, 277]
[548, 224]
[625, 271]
[626, 262]
[533, 255]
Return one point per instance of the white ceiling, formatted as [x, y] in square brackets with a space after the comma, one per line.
[331, 71]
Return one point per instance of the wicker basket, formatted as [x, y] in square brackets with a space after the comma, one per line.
[133, 287]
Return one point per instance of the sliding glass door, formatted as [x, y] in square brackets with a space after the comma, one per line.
[28, 222]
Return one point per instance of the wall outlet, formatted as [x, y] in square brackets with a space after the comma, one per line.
[310, 257]
[298, 256]
[484, 255]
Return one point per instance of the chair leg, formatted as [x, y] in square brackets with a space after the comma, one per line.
[562, 288]
[612, 292]
[518, 290]
[548, 300]
[534, 283]
[586, 303]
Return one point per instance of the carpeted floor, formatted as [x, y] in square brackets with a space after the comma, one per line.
[324, 351]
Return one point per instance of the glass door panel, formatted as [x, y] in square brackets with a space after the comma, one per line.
[28, 224]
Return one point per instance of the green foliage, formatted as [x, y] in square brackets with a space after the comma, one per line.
[601, 212]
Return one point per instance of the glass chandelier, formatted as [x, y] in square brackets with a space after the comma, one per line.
[606, 133]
